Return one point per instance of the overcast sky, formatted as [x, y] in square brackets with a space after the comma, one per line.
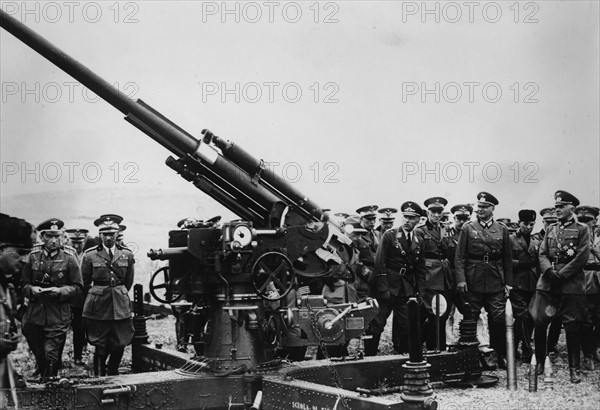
[354, 102]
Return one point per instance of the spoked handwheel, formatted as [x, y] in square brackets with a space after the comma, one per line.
[160, 280]
[273, 276]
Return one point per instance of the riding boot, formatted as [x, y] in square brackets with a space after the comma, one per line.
[498, 341]
[372, 345]
[574, 351]
[587, 347]
[99, 364]
[526, 331]
[553, 335]
[539, 339]
[114, 360]
[50, 370]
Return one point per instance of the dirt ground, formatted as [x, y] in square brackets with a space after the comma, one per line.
[565, 395]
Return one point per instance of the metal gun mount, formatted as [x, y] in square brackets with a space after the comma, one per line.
[243, 307]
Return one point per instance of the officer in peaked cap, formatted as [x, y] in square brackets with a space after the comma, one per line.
[590, 329]
[368, 216]
[108, 271]
[386, 220]
[15, 244]
[121, 235]
[187, 223]
[440, 278]
[51, 281]
[525, 249]
[505, 221]
[78, 238]
[564, 252]
[399, 274]
[548, 218]
[364, 266]
[462, 214]
[484, 269]
[213, 222]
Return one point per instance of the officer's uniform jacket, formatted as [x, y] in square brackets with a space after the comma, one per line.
[525, 261]
[108, 281]
[453, 235]
[364, 266]
[8, 307]
[373, 238]
[592, 267]
[398, 268]
[539, 236]
[59, 269]
[566, 249]
[484, 257]
[434, 251]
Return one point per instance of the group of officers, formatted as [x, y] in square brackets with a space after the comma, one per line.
[67, 279]
[552, 276]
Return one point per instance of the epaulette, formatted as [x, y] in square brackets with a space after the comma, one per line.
[69, 249]
[93, 248]
[37, 248]
[123, 248]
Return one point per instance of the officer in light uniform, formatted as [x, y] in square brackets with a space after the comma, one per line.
[399, 274]
[590, 330]
[77, 237]
[108, 276]
[525, 250]
[51, 281]
[561, 287]
[439, 278]
[484, 269]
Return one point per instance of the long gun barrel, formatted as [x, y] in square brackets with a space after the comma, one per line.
[233, 177]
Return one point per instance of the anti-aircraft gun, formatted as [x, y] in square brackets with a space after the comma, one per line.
[241, 279]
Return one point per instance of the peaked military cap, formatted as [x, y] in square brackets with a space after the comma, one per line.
[352, 224]
[437, 202]
[214, 220]
[121, 229]
[367, 211]
[505, 221]
[460, 210]
[52, 226]
[486, 198]
[108, 223]
[548, 213]
[513, 226]
[565, 198]
[388, 214]
[15, 232]
[527, 215]
[77, 235]
[411, 209]
[588, 212]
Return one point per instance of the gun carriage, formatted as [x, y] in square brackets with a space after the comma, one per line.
[237, 288]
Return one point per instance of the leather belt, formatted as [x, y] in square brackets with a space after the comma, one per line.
[433, 256]
[486, 258]
[110, 283]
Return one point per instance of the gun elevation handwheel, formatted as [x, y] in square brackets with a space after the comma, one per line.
[273, 276]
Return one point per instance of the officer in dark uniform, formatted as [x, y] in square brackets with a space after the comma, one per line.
[121, 235]
[77, 237]
[561, 287]
[548, 218]
[484, 269]
[108, 276]
[439, 278]
[525, 250]
[399, 274]
[386, 220]
[51, 281]
[15, 244]
[462, 214]
[590, 329]
[365, 262]
[368, 217]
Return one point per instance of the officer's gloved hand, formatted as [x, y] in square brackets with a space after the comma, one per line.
[8, 344]
[554, 277]
[462, 287]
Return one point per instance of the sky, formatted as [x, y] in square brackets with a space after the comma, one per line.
[354, 103]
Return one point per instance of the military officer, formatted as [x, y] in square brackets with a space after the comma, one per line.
[51, 281]
[365, 261]
[561, 286]
[484, 269]
[525, 250]
[462, 214]
[399, 274]
[548, 218]
[439, 278]
[108, 276]
[77, 237]
[386, 220]
[121, 235]
[15, 244]
[367, 220]
[590, 329]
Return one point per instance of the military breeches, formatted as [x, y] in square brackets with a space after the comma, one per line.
[493, 303]
[570, 308]
[46, 342]
[108, 335]
[520, 302]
